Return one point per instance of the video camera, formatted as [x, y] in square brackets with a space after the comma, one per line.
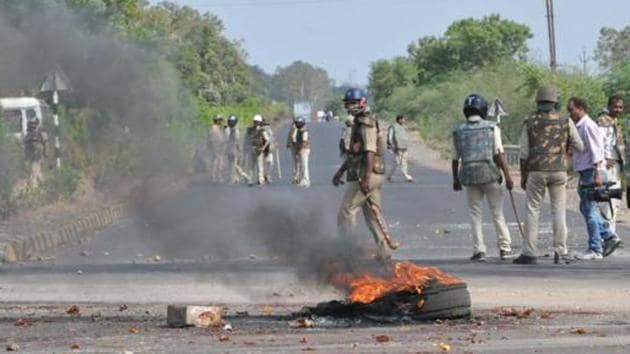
[603, 193]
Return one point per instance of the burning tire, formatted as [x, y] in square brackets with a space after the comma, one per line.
[437, 301]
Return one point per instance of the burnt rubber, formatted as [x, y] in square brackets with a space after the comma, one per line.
[440, 302]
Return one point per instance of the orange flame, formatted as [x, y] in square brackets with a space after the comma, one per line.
[407, 277]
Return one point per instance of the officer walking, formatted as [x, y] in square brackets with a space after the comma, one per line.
[398, 142]
[301, 148]
[614, 150]
[233, 151]
[34, 149]
[292, 148]
[477, 144]
[545, 139]
[216, 146]
[365, 169]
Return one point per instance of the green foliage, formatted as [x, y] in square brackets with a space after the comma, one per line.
[245, 111]
[468, 44]
[301, 81]
[613, 47]
[618, 80]
[387, 75]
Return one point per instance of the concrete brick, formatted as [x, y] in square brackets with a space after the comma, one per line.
[198, 316]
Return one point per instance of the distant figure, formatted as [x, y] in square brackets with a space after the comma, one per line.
[269, 151]
[257, 141]
[216, 146]
[301, 148]
[34, 149]
[233, 151]
[398, 142]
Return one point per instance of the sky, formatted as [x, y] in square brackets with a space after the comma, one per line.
[345, 36]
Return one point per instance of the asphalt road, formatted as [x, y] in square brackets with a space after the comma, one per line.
[249, 246]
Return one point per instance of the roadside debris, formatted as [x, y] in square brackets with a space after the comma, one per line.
[515, 312]
[198, 316]
[224, 338]
[444, 347]
[134, 330]
[228, 327]
[267, 310]
[12, 347]
[75, 346]
[23, 322]
[85, 253]
[302, 323]
[123, 307]
[383, 338]
[73, 310]
[578, 330]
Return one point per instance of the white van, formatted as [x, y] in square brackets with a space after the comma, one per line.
[15, 112]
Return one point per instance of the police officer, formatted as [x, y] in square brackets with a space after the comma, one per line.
[233, 151]
[614, 148]
[257, 142]
[292, 148]
[301, 148]
[269, 151]
[545, 139]
[365, 172]
[216, 146]
[397, 142]
[34, 149]
[477, 144]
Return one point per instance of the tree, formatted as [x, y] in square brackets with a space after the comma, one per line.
[386, 75]
[469, 44]
[301, 81]
[613, 47]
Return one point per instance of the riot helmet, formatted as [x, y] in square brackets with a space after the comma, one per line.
[258, 119]
[475, 104]
[218, 118]
[355, 101]
[547, 99]
[300, 121]
[232, 120]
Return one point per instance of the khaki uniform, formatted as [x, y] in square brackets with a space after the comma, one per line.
[397, 137]
[256, 140]
[367, 136]
[34, 153]
[614, 147]
[290, 145]
[216, 146]
[545, 139]
[233, 154]
[268, 159]
[490, 188]
[301, 148]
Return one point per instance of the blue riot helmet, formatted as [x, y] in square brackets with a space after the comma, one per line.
[355, 101]
[475, 104]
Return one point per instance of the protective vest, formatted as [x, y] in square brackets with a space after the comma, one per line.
[614, 141]
[301, 139]
[548, 138]
[34, 146]
[357, 156]
[256, 137]
[475, 146]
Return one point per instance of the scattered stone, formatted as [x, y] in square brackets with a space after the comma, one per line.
[579, 330]
[105, 254]
[444, 347]
[157, 258]
[79, 272]
[302, 323]
[23, 322]
[75, 346]
[228, 327]
[198, 316]
[267, 310]
[134, 330]
[85, 253]
[252, 257]
[123, 307]
[384, 338]
[73, 310]
[12, 347]
[224, 338]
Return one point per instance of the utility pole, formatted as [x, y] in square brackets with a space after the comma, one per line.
[553, 64]
[55, 82]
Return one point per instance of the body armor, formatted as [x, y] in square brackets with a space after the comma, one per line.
[475, 146]
[548, 137]
[357, 156]
[299, 139]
